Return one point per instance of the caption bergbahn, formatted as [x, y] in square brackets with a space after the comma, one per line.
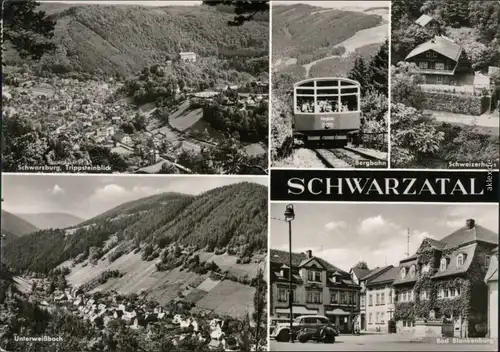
[327, 109]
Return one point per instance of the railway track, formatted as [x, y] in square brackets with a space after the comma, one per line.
[343, 158]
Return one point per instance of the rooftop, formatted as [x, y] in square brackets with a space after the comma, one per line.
[439, 44]
[388, 276]
[424, 20]
[492, 273]
[299, 259]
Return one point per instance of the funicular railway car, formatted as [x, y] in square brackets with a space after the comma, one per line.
[327, 109]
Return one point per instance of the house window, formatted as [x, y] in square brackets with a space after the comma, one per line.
[403, 272]
[446, 293]
[425, 268]
[405, 296]
[370, 318]
[423, 65]
[457, 292]
[412, 271]
[382, 317]
[428, 54]
[439, 65]
[439, 79]
[342, 298]
[390, 296]
[442, 267]
[314, 297]
[382, 298]
[460, 260]
[334, 297]
[362, 300]
[314, 276]
[423, 295]
[487, 260]
[440, 293]
[282, 295]
[370, 300]
[433, 54]
[378, 299]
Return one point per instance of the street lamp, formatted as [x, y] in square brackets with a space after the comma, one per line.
[289, 216]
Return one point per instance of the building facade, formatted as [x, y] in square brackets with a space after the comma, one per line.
[380, 299]
[318, 288]
[188, 56]
[444, 281]
[441, 61]
[491, 280]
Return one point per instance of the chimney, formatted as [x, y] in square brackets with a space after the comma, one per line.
[309, 254]
[470, 223]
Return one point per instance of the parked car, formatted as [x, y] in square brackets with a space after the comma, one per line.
[275, 321]
[305, 324]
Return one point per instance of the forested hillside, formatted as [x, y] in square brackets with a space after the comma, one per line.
[12, 224]
[306, 33]
[121, 40]
[232, 217]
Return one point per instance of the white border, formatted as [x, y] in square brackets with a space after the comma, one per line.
[389, 97]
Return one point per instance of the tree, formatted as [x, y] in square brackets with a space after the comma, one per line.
[359, 72]
[405, 37]
[28, 30]
[405, 87]
[245, 10]
[413, 136]
[168, 168]
[361, 265]
[485, 16]
[378, 70]
[259, 303]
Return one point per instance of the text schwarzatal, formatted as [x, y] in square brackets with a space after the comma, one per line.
[384, 186]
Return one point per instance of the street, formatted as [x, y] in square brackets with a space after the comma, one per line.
[384, 342]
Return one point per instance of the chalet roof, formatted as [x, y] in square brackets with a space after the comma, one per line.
[387, 276]
[439, 44]
[424, 20]
[282, 257]
[452, 268]
[492, 273]
[465, 235]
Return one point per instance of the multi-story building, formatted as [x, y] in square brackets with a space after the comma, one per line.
[444, 281]
[380, 299]
[358, 277]
[318, 287]
[441, 61]
[491, 280]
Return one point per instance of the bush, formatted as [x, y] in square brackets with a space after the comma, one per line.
[456, 103]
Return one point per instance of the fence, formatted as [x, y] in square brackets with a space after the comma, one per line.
[375, 140]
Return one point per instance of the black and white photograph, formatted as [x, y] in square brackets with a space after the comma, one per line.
[445, 84]
[330, 62]
[170, 87]
[133, 263]
[383, 277]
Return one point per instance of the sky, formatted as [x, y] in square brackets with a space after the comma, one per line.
[88, 195]
[347, 233]
[130, 2]
[337, 4]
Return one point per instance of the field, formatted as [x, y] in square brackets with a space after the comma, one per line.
[184, 117]
[228, 262]
[228, 298]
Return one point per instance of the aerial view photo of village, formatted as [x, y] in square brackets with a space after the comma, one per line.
[159, 87]
[445, 82]
[133, 263]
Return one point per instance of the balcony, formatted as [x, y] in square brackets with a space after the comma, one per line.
[430, 71]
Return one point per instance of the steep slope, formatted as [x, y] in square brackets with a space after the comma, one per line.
[233, 216]
[51, 220]
[124, 39]
[305, 33]
[15, 225]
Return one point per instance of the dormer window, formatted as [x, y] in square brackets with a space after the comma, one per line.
[403, 273]
[412, 271]
[425, 268]
[314, 276]
[334, 279]
[460, 259]
[443, 265]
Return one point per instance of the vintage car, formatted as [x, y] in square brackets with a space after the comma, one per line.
[305, 324]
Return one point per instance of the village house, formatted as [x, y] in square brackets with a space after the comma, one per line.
[441, 61]
[318, 288]
[429, 23]
[491, 280]
[188, 56]
[380, 299]
[437, 282]
[123, 138]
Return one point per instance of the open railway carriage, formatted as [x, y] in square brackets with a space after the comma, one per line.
[327, 109]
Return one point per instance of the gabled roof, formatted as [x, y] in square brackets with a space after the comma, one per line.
[452, 268]
[424, 20]
[439, 44]
[387, 276]
[375, 273]
[465, 235]
[282, 257]
[360, 273]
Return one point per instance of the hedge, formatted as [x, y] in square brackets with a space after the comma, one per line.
[455, 103]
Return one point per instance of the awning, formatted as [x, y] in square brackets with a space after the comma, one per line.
[296, 310]
[337, 312]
